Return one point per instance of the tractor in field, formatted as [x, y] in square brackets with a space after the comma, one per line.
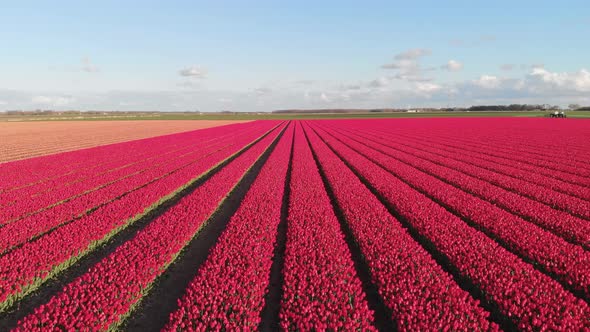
[557, 114]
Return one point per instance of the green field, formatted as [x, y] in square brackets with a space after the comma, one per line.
[270, 116]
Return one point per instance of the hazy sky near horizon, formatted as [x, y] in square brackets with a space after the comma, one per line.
[265, 55]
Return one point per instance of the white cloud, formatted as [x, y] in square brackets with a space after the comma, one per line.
[523, 67]
[427, 87]
[352, 87]
[488, 82]
[55, 101]
[193, 71]
[412, 78]
[378, 83]
[453, 65]
[344, 97]
[408, 66]
[401, 64]
[538, 86]
[262, 91]
[576, 81]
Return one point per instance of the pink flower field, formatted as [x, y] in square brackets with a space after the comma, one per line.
[449, 224]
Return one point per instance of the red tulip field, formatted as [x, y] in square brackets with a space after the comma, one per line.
[450, 224]
[26, 139]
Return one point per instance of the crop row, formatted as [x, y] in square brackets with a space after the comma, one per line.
[542, 145]
[32, 172]
[560, 223]
[557, 168]
[33, 226]
[92, 179]
[390, 216]
[550, 158]
[31, 206]
[459, 135]
[418, 292]
[528, 298]
[103, 296]
[547, 196]
[570, 263]
[102, 168]
[88, 178]
[561, 181]
[229, 289]
[25, 268]
[495, 165]
[534, 136]
[320, 286]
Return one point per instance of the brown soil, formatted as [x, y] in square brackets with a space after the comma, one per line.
[20, 140]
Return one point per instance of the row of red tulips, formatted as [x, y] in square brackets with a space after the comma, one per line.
[530, 299]
[569, 262]
[35, 171]
[18, 232]
[101, 167]
[87, 178]
[561, 223]
[521, 169]
[534, 136]
[482, 137]
[229, 289]
[18, 202]
[558, 168]
[103, 296]
[420, 295]
[321, 289]
[545, 144]
[550, 158]
[550, 164]
[26, 268]
[544, 195]
[504, 160]
[495, 165]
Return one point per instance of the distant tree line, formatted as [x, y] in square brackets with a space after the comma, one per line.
[519, 108]
[577, 107]
[510, 108]
[326, 110]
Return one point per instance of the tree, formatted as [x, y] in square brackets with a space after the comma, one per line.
[574, 106]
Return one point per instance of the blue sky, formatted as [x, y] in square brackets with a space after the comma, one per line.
[263, 55]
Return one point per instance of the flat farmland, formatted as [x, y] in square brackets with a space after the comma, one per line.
[463, 224]
[21, 140]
